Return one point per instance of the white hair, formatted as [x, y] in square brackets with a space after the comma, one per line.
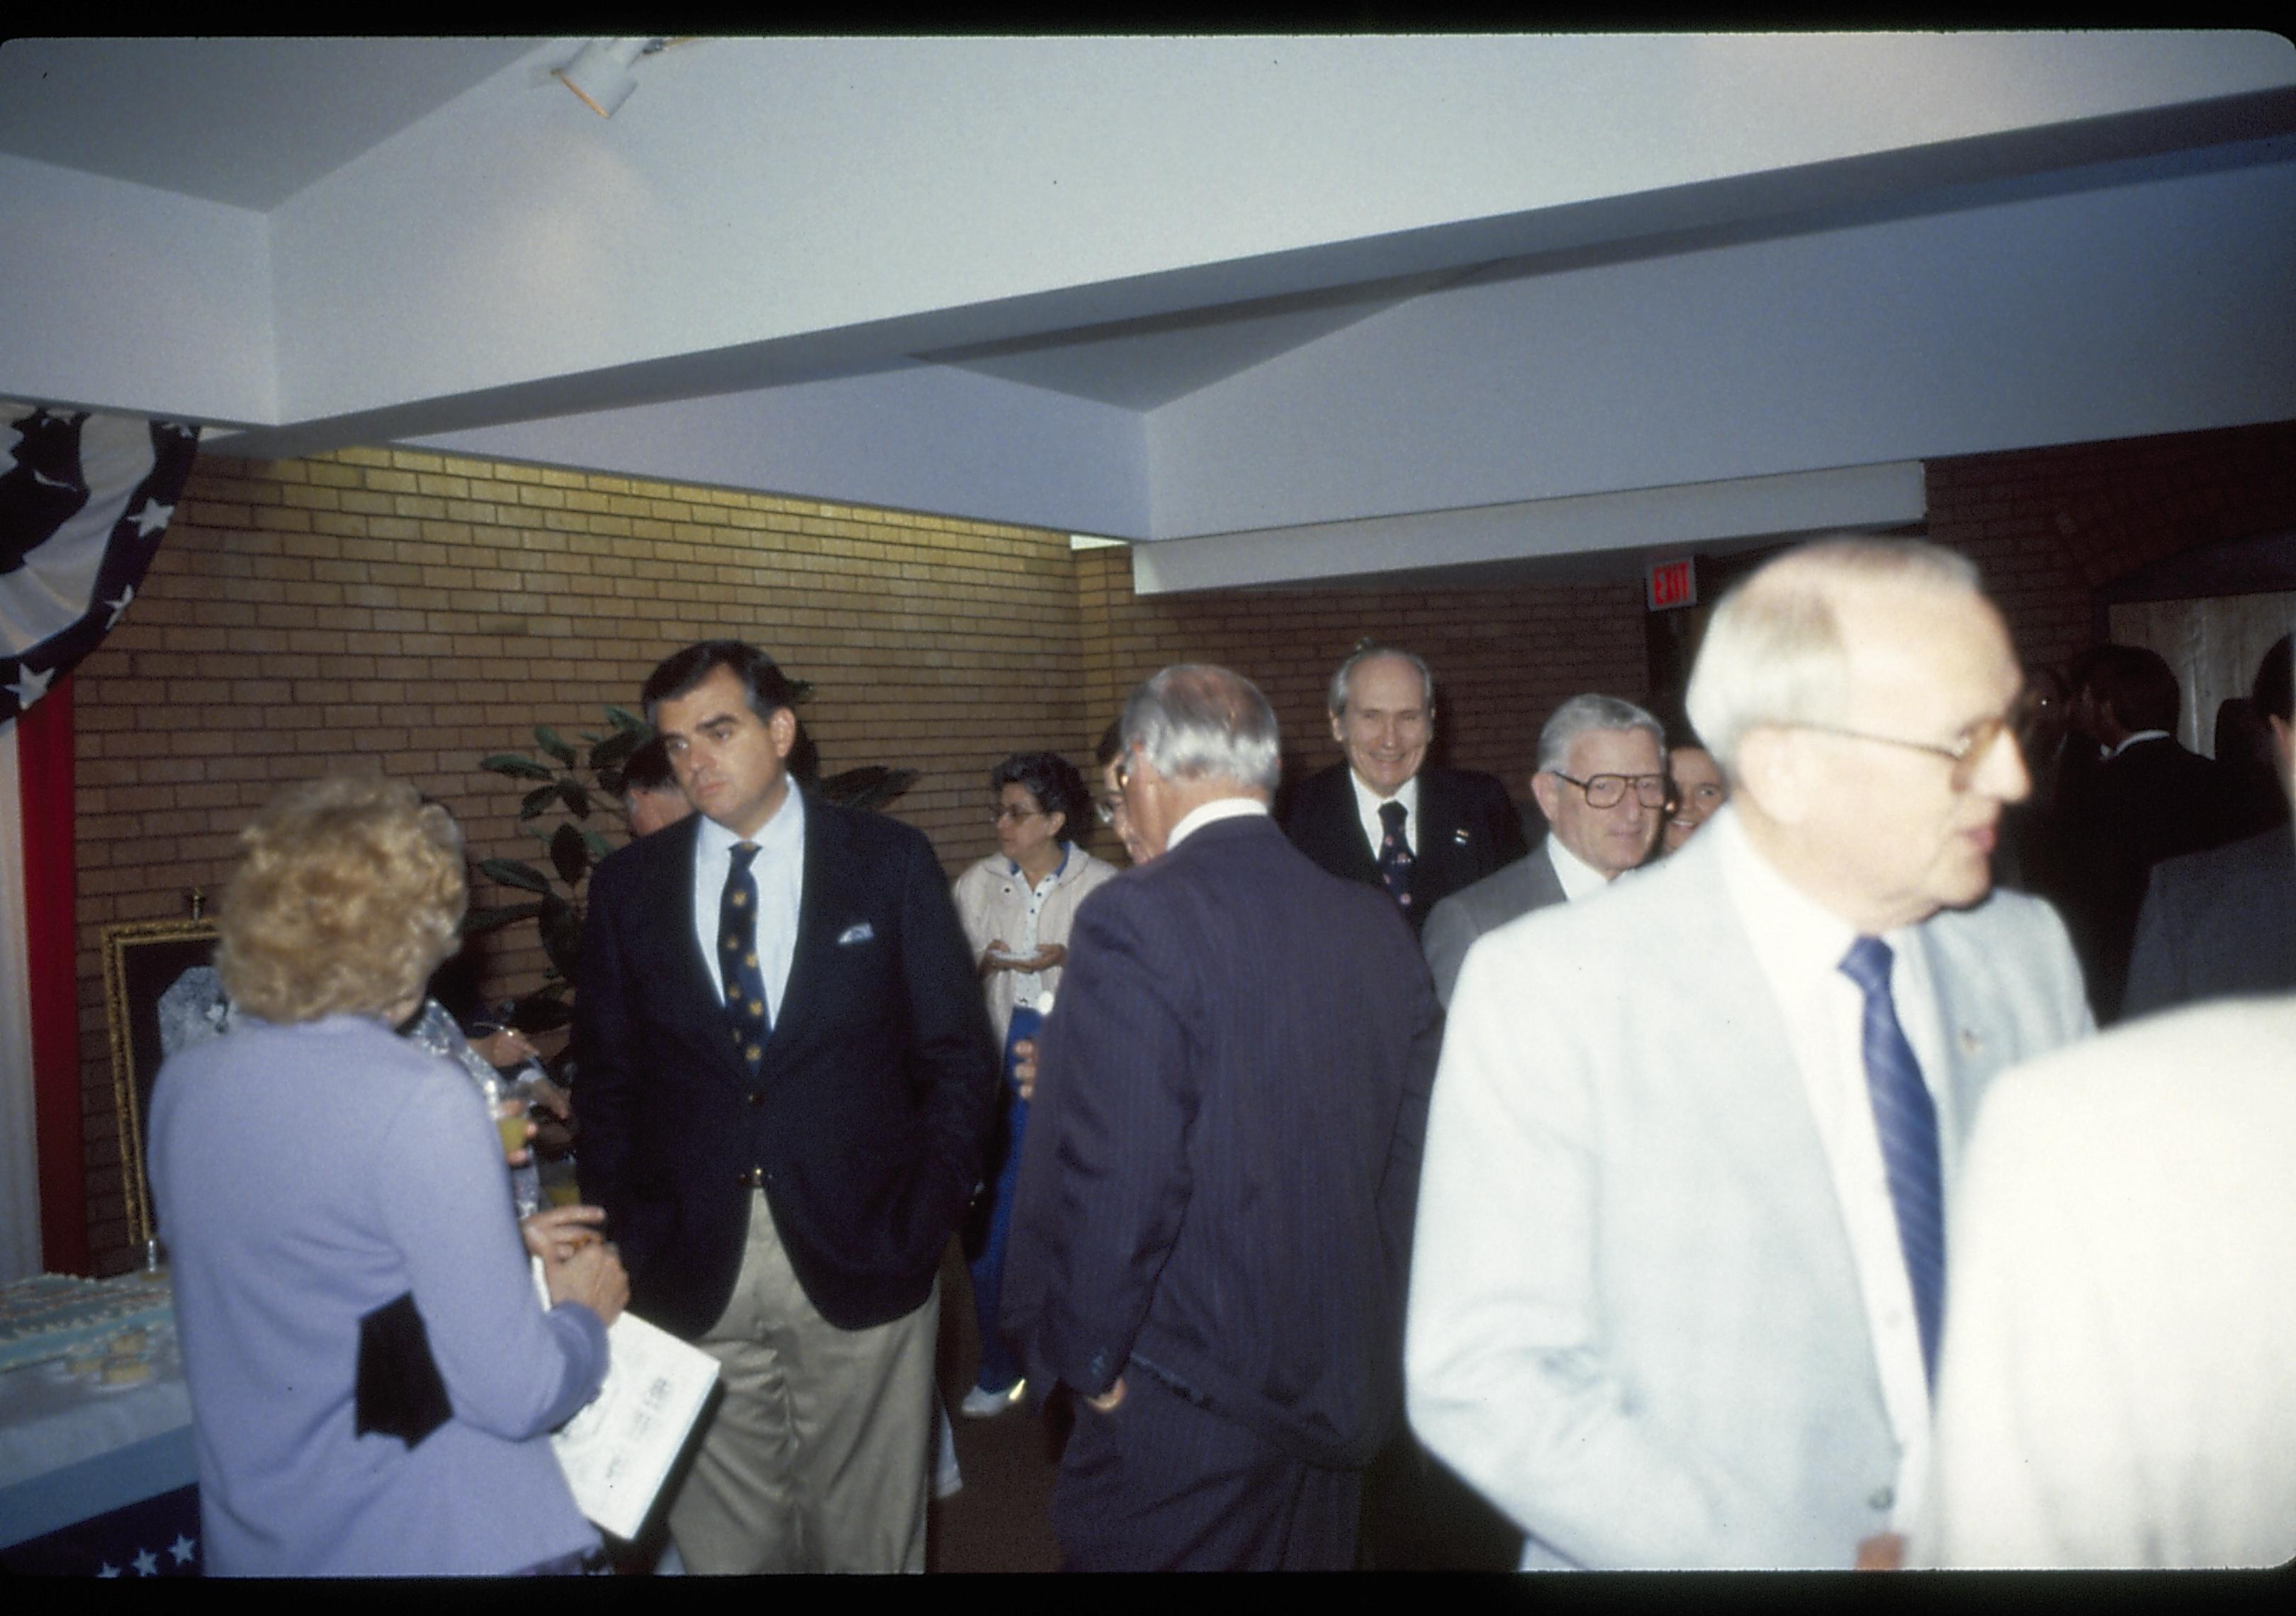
[1195, 721]
[1588, 712]
[1774, 651]
[1335, 699]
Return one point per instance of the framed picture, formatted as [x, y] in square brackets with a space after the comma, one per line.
[142, 960]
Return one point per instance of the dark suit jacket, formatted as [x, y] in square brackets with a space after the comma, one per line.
[2153, 801]
[1468, 827]
[1222, 1161]
[2217, 922]
[865, 1125]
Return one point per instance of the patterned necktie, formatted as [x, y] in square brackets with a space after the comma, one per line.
[1395, 854]
[1907, 1123]
[737, 954]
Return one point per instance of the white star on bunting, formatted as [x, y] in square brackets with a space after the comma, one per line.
[152, 518]
[182, 1548]
[147, 1563]
[31, 685]
[120, 606]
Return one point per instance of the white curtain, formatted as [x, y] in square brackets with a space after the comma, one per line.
[2213, 644]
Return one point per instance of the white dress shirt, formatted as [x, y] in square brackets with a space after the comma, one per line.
[1800, 945]
[1204, 813]
[779, 871]
[1368, 803]
[1579, 879]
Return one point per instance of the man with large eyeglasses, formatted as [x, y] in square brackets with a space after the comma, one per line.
[1601, 782]
[1679, 1271]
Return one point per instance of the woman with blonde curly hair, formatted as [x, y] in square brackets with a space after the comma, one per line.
[372, 1378]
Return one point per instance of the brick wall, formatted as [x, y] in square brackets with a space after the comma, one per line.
[383, 610]
[2049, 525]
[386, 611]
[1503, 657]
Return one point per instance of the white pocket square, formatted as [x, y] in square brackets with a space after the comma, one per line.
[859, 932]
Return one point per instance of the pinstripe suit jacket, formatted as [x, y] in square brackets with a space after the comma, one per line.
[1223, 1153]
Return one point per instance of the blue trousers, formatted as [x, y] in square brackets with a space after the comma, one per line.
[999, 1369]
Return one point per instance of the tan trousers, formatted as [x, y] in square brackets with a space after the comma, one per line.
[817, 1457]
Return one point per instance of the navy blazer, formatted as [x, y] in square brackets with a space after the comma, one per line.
[1468, 828]
[1218, 1182]
[2216, 924]
[865, 1125]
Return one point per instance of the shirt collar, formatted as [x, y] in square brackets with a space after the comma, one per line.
[1059, 870]
[1367, 800]
[1218, 807]
[781, 837]
[2143, 735]
[1579, 879]
[1795, 937]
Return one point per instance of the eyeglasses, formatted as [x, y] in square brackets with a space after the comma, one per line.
[1106, 809]
[1966, 751]
[1608, 791]
[1006, 811]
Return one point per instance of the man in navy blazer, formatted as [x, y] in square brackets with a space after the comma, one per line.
[1213, 1224]
[786, 1075]
[1453, 826]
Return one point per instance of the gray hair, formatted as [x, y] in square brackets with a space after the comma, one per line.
[1195, 721]
[1580, 714]
[1335, 699]
[1774, 651]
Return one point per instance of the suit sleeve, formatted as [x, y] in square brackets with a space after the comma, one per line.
[1398, 1189]
[1506, 1374]
[1503, 826]
[606, 1070]
[1104, 1177]
[954, 1055]
[1451, 931]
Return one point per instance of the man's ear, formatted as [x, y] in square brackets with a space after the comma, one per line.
[1548, 792]
[783, 728]
[2284, 749]
[1339, 729]
[1774, 774]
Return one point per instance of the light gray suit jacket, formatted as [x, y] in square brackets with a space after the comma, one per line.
[1505, 894]
[1636, 1322]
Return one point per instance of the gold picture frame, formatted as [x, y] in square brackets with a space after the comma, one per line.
[141, 959]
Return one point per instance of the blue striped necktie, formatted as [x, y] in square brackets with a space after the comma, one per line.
[737, 954]
[1907, 1123]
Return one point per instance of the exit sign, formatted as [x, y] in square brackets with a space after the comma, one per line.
[1673, 584]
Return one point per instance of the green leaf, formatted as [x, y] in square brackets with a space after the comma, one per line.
[551, 743]
[542, 1010]
[516, 766]
[867, 787]
[537, 799]
[516, 873]
[630, 721]
[570, 793]
[598, 845]
[479, 920]
[614, 751]
[571, 855]
[561, 937]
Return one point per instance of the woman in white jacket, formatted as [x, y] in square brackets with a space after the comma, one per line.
[1017, 906]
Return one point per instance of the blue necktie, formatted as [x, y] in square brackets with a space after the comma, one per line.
[737, 953]
[1907, 1123]
[1395, 854]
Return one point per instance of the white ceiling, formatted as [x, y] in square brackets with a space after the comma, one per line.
[1319, 296]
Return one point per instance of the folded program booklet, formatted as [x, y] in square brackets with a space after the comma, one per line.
[618, 1449]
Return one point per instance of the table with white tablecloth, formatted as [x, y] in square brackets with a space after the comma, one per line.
[98, 1471]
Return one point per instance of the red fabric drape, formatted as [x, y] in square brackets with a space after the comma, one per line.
[44, 751]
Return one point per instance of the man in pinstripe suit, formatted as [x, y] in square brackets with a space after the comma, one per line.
[1212, 1228]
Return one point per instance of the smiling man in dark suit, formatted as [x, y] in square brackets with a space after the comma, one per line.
[1213, 1223]
[1381, 817]
[786, 1075]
